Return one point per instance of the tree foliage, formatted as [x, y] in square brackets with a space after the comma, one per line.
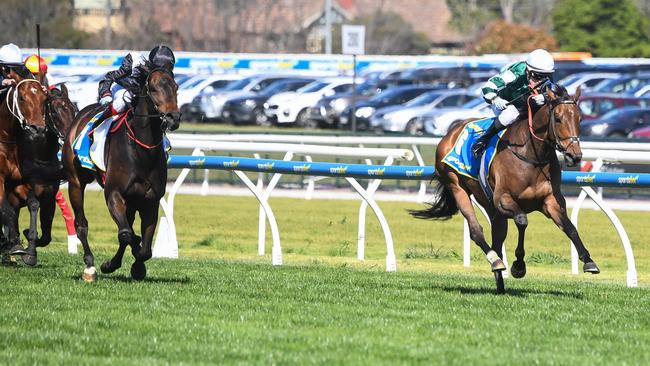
[19, 19]
[606, 28]
[503, 37]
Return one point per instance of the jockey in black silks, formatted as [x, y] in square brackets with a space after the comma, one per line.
[118, 87]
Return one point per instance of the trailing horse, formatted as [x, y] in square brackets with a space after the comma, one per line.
[22, 121]
[525, 176]
[42, 172]
[136, 170]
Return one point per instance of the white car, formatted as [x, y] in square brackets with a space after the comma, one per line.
[211, 104]
[292, 107]
[405, 117]
[438, 121]
[585, 80]
[202, 84]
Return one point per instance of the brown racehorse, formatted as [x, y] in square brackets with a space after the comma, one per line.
[43, 172]
[136, 171]
[22, 119]
[525, 176]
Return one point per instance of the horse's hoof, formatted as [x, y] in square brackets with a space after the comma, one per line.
[498, 266]
[518, 269]
[89, 274]
[30, 259]
[138, 271]
[107, 267]
[8, 260]
[41, 243]
[17, 250]
[590, 267]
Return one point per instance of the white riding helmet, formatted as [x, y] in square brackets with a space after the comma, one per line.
[10, 55]
[540, 61]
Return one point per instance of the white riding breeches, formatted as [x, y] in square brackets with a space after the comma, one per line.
[121, 98]
[507, 116]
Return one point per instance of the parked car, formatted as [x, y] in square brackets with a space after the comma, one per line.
[405, 117]
[211, 104]
[622, 84]
[364, 110]
[642, 133]
[292, 107]
[200, 85]
[249, 108]
[327, 111]
[594, 105]
[617, 123]
[586, 80]
[438, 121]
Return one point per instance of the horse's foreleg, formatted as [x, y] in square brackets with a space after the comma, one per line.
[32, 235]
[557, 212]
[116, 262]
[148, 222]
[475, 230]
[76, 194]
[118, 209]
[46, 216]
[509, 208]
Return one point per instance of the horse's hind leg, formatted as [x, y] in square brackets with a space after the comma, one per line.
[76, 191]
[148, 222]
[475, 230]
[509, 208]
[32, 234]
[557, 212]
[46, 215]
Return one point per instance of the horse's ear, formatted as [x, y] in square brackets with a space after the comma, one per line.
[64, 89]
[576, 96]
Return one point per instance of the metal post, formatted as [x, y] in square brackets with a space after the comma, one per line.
[107, 31]
[328, 27]
[354, 93]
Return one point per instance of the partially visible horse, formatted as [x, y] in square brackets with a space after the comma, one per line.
[136, 170]
[43, 172]
[22, 121]
[525, 176]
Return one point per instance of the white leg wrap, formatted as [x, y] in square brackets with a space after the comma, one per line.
[492, 256]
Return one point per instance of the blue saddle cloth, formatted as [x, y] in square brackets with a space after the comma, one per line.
[460, 158]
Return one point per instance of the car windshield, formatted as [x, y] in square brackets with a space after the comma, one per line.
[312, 87]
[617, 112]
[238, 85]
[423, 99]
[276, 87]
[473, 103]
[192, 83]
[620, 85]
[569, 79]
[388, 95]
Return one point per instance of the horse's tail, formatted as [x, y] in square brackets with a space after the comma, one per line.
[443, 206]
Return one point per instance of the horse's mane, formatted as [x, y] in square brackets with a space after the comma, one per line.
[145, 68]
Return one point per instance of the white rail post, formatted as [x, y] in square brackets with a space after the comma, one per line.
[423, 184]
[266, 193]
[261, 221]
[361, 236]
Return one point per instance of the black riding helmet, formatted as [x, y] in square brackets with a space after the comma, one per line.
[162, 56]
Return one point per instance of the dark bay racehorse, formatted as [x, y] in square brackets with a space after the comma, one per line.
[525, 177]
[22, 120]
[136, 170]
[42, 171]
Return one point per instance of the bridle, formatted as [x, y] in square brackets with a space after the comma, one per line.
[50, 115]
[166, 118]
[13, 104]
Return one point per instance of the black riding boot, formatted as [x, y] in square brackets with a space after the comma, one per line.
[479, 145]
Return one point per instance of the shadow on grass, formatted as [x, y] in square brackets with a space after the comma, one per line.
[128, 279]
[517, 292]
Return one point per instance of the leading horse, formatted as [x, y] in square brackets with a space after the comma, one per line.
[525, 176]
[22, 119]
[136, 170]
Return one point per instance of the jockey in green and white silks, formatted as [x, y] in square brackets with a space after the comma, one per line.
[508, 91]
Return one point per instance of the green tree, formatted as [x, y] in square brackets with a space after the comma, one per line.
[19, 17]
[606, 28]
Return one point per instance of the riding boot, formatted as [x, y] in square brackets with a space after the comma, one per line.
[481, 144]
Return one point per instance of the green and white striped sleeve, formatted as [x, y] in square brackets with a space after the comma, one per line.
[496, 83]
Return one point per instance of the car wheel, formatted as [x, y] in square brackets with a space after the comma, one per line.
[414, 127]
[303, 120]
[261, 119]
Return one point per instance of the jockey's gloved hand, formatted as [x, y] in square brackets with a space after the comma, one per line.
[539, 99]
[127, 62]
[500, 103]
[105, 100]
